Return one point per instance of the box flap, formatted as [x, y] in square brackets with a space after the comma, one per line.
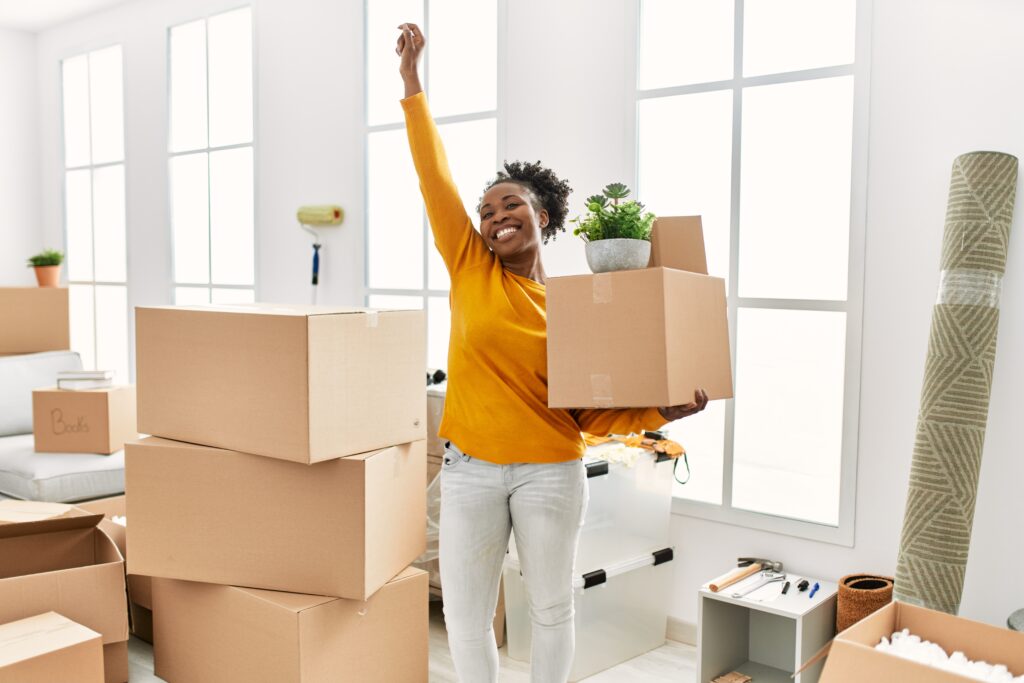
[678, 242]
[291, 602]
[21, 511]
[76, 519]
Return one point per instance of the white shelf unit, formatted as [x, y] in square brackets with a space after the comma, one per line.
[767, 640]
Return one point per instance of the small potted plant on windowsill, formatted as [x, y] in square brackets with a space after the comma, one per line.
[617, 233]
[47, 265]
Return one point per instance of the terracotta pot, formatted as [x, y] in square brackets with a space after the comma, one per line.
[604, 256]
[48, 276]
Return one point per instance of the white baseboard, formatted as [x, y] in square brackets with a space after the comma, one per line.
[681, 631]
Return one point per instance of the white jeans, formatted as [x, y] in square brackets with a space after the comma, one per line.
[480, 504]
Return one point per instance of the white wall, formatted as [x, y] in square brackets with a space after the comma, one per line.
[309, 137]
[946, 79]
[20, 236]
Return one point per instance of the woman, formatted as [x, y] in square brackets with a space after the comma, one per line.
[512, 462]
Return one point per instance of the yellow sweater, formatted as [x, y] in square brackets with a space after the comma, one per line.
[496, 406]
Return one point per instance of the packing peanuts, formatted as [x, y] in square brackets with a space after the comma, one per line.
[641, 338]
[48, 647]
[340, 528]
[301, 383]
[67, 565]
[34, 319]
[206, 632]
[93, 421]
[853, 657]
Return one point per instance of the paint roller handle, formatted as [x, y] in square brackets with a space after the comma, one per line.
[316, 264]
[729, 578]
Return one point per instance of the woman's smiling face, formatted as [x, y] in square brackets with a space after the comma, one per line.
[509, 222]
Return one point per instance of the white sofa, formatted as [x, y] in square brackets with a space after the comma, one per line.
[51, 477]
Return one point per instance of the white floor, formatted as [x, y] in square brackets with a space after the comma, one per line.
[673, 662]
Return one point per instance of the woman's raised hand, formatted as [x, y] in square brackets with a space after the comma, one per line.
[409, 48]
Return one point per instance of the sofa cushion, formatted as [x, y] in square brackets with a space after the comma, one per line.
[19, 375]
[57, 477]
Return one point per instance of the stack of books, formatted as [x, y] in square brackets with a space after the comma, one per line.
[83, 380]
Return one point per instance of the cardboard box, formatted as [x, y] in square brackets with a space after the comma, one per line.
[206, 632]
[140, 600]
[853, 657]
[109, 507]
[637, 338]
[301, 383]
[93, 421]
[340, 528]
[47, 648]
[34, 319]
[115, 662]
[678, 242]
[435, 411]
[65, 565]
[434, 463]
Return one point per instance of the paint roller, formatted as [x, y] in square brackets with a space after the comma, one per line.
[318, 216]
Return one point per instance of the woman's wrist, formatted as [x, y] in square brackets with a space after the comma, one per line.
[412, 84]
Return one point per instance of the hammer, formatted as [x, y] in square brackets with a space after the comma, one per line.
[745, 566]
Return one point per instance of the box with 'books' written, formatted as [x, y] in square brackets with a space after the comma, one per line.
[92, 421]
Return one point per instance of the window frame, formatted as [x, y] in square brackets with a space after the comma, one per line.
[426, 293]
[843, 533]
[92, 167]
[174, 285]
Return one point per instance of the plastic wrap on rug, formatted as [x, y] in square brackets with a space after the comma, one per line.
[957, 383]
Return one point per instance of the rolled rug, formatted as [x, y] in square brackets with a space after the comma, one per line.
[957, 383]
[859, 596]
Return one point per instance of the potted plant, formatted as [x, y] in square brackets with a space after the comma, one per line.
[617, 232]
[47, 265]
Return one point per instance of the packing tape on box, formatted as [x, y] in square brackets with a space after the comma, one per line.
[602, 284]
[601, 391]
[970, 287]
[371, 318]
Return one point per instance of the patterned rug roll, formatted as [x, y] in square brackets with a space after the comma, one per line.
[859, 596]
[957, 383]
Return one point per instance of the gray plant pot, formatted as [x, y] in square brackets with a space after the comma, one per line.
[604, 256]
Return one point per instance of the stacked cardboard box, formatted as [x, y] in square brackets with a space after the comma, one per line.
[34, 319]
[641, 338]
[288, 455]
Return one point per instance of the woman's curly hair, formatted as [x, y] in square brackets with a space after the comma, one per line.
[546, 189]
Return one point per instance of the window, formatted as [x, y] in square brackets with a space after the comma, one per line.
[211, 159]
[746, 115]
[94, 208]
[403, 268]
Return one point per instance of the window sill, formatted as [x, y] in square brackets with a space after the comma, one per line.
[837, 535]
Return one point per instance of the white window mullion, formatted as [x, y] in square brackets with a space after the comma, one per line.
[763, 302]
[734, 243]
